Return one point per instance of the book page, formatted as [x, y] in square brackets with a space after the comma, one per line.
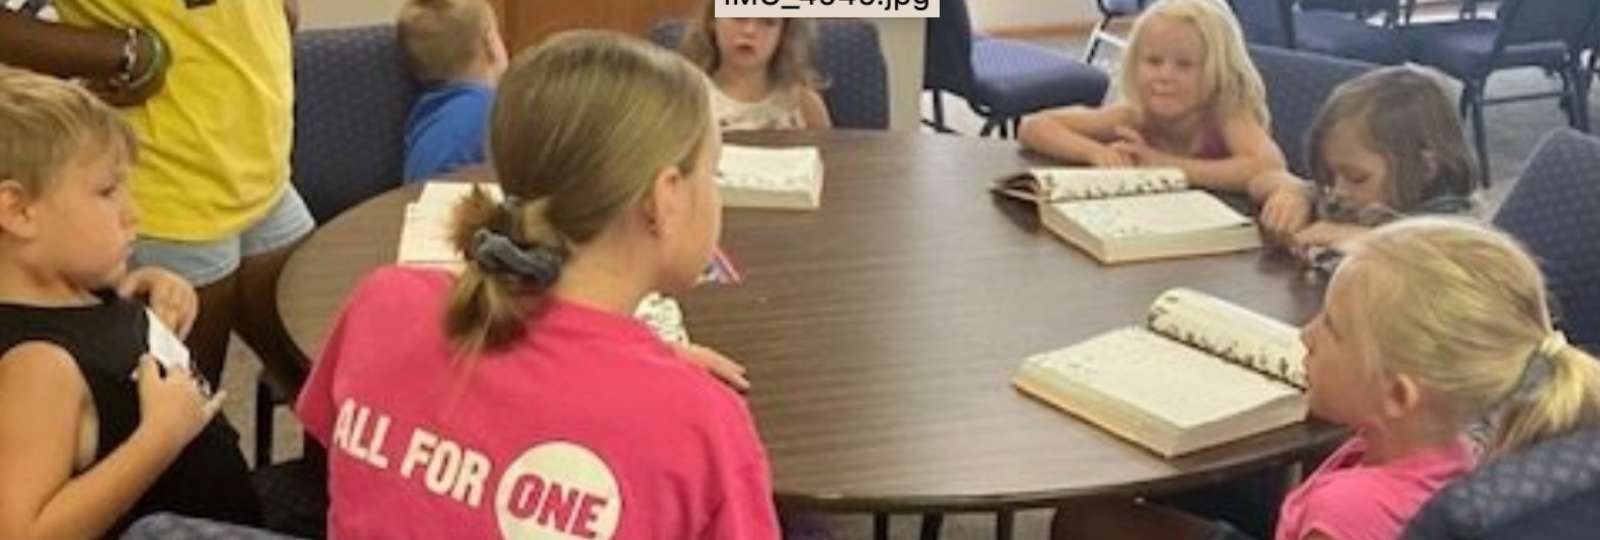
[425, 235]
[1232, 332]
[770, 169]
[1078, 183]
[1161, 377]
[164, 344]
[664, 317]
[425, 238]
[1152, 215]
[446, 195]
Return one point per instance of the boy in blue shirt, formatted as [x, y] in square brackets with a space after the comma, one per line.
[454, 48]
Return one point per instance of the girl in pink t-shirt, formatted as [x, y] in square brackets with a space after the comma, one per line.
[521, 399]
[1429, 326]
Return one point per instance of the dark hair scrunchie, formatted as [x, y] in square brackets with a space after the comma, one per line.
[496, 253]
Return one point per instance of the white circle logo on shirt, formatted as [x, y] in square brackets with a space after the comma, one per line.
[558, 491]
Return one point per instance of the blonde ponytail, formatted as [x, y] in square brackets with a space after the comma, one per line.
[1559, 392]
[1461, 309]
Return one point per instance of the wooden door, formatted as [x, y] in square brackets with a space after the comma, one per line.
[525, 22]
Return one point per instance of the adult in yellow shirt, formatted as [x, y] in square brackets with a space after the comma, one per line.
[208, 87]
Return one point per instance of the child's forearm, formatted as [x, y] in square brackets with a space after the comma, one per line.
[1233, 174]
[87, 505]
[1264, 185]
[1050, 137]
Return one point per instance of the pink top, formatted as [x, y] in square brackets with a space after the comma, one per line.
[1212, 144]
[588, 428]
[1347, 500]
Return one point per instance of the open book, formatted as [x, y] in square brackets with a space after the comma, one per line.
[1121, 215]
[1200, 372]
[425, 236]
[779, 178]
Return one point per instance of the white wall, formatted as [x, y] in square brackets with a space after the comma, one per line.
[341, 13]
[989, 15]
[901, 41]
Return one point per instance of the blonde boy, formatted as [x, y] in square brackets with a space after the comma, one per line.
[453, 47]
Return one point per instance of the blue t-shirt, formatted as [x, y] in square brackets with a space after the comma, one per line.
[446, 129]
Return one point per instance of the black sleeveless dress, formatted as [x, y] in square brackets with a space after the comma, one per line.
[209, 479]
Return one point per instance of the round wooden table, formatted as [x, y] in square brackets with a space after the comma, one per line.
[882, 331]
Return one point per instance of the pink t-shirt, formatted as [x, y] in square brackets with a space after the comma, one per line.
[1347, 500]
[590, 427]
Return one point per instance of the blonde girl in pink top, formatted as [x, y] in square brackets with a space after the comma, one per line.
[1429, 326]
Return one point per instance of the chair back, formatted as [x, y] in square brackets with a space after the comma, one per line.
[352, 97]
[1265, 22]
[852, 61]
[1548, 491]
[1524, 22]
[1554, 209]
[1298, 83]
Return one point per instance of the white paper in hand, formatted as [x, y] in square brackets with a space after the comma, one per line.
[165, 345]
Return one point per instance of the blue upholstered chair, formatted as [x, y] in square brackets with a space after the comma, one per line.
[1110, 11]
[1549, 492]
[1278, 23]
[858, 78]
[1002, 80]
[1554, 209]
[1357, 8]
[850, 60]
[1298, 82]
[352, 96]
[1525, 33]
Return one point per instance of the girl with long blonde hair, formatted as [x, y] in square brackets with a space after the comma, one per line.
[1189, 98]
[1431, 327]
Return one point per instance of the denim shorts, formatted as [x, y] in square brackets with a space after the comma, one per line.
[204, 263]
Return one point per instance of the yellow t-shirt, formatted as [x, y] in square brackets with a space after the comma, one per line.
[214, 143]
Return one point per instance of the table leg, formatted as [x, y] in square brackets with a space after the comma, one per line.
[1003, 521]
[931, 525]
[880, 526]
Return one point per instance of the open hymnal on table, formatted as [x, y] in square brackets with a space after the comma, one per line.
[778, 178]
[1120, 215]
[1200, 372]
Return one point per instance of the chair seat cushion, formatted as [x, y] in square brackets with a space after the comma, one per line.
[1014, 79]
[1462, 48]
[294, 496]
[1337, 34]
